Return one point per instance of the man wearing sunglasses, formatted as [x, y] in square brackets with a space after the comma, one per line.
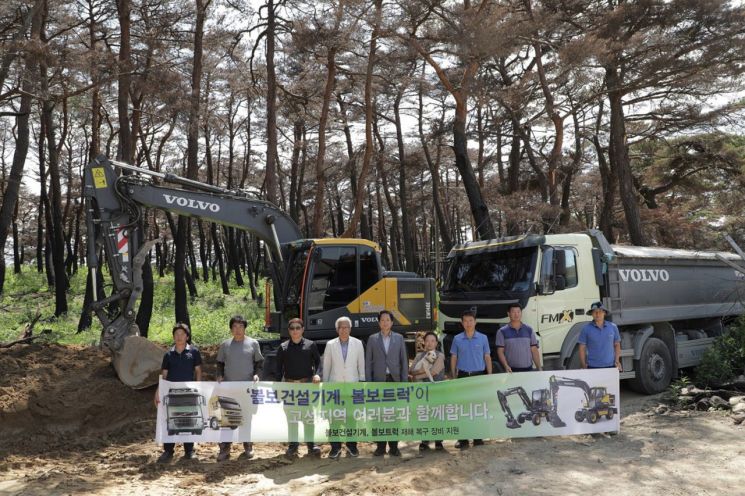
[298, 360]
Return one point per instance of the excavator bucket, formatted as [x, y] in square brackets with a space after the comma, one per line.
[138, 362]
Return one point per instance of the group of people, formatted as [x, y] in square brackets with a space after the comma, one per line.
[384, 359]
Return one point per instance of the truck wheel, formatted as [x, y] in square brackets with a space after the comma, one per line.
[214, 425]
[654, 369]
[573, 363]
[579, 415]
[609, 415]
[521, 419]
[592, 416]
[536, 419]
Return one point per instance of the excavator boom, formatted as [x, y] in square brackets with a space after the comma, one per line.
[114, 221]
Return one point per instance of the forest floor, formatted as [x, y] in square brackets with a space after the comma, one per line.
[68, 426]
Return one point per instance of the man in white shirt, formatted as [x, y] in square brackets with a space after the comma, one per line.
[344, 361]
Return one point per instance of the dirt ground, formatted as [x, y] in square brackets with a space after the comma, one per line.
[67, 426]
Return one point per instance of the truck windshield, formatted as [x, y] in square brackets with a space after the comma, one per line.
[183, 400]
[229, 403]
[506, 270]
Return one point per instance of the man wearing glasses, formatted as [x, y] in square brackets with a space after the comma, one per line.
[298, 360]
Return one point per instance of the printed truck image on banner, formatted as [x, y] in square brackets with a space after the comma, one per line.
[552, 403]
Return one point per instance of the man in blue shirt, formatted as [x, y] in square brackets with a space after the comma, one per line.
[181, 363]
[599, 341]
[469, 356]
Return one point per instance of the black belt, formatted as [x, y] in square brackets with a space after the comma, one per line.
[463, 373]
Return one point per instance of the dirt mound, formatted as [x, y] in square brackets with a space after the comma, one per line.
[55, 397]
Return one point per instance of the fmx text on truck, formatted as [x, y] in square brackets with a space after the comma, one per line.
[668, 304]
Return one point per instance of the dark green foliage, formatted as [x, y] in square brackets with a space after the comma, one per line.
[725, 360]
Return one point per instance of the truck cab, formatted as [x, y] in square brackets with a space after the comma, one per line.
[184, 411]
[554, 280]
[224, 412]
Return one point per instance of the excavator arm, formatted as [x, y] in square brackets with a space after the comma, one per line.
[512, 423]
[555, 383]
[114, 211]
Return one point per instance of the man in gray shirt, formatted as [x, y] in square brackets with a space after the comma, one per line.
[517, 344]
[238, 359]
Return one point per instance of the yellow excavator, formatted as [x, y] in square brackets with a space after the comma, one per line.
[318, 280]
[596, 404]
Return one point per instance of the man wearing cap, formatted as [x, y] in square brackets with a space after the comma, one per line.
[599, 341]
[238, 359]
[182, 363]
[517, 344]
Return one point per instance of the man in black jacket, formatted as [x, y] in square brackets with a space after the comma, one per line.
[298, 360]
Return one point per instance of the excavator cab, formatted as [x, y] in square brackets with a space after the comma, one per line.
[541, 400]
[598, 397]
[331, 278]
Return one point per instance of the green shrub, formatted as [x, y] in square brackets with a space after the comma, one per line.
[725, 359]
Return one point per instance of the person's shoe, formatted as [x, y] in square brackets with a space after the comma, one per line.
[379, 452]
[223, 455]
[291, 452]
[246, 455]
[335, 453]
[248, 451]
[353, 452]
[315, 451]
[439, 446]
[461, 445]
[190, 455]
[478, 442]
[424, 447]
[394, 452]
[165, 457]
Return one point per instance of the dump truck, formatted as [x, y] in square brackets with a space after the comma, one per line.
[668, 304]
[318, 280]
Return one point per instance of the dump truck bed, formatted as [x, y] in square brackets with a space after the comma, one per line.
[659, 284]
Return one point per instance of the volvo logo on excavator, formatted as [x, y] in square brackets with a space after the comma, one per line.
[191, 203]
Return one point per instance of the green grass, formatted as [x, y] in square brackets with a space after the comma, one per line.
[27, 293]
